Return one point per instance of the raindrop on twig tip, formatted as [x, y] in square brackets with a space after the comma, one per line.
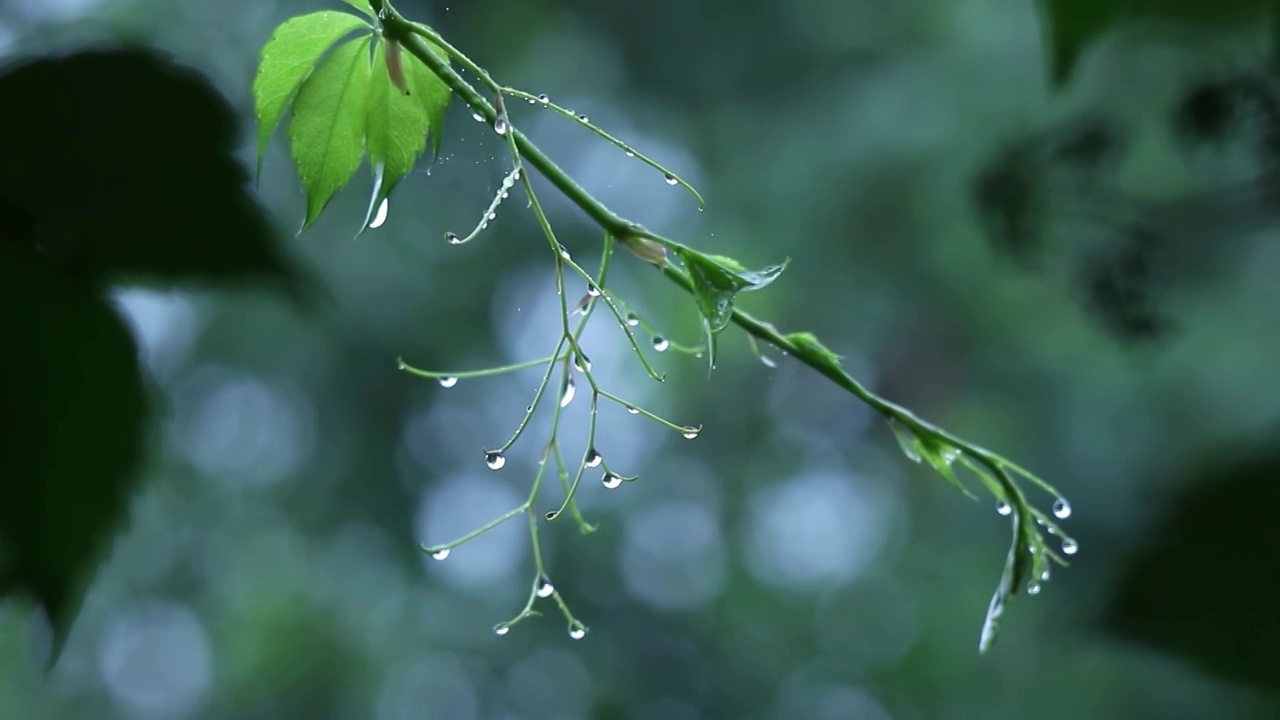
[448, 381]
[1061, 509]
[501, 629]
[567, 395]
[495, 460]
[1070, 547]
[440, 554]
[690, 432]
[544, 587]
[452, 238]
[611, 481]
[577, 632]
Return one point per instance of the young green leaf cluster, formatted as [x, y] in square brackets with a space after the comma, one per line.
[347, 104]
[327, 150]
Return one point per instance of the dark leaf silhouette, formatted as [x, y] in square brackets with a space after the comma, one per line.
[74, 413]
[118, 167]
[120, 164]
[1206, 586]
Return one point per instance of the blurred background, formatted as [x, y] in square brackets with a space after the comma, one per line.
[789, 562]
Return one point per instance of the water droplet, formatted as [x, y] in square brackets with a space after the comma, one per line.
[484, 225]
[1033, 588]
[577, 632]
[630, 154]
[452, 238]
[593, 291]
[768, 362]
[448, 381]
[566, 396]
[584, 118]
[401, 364]
[632, 320]
[1044, 576]
[544, 99]
[1004, 508]
[1070, 547]
[493, 216]
[611, 481]
[505, 194]
[581, 363]
[440, 554]
[532, 101]
[907, 440]
[380, 216]
[671, 179]
[594, 458]
[477, 117]
[500, 125]
[501, 629]
[633, 409]
[690, 432]
[1061, 509]
[495, 460]
[545, 589]
[660, 343]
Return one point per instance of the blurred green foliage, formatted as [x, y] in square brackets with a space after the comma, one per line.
[786, 563]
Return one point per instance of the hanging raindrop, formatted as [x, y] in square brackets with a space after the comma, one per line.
[594, 458]
[671, 179]
[1070, 547]
[566, 396]
[660, 343]
[577, 632]
[690, 432]
[1061, 509]
[452, 238]
[544, 588]
[500, 125]
[440, 554]
[632, 409]
[632, 320]
[380, 216]
[501, 629]
[495, 460]
[448, 381]
[611, 481]
[1004, 508]
[544, 99]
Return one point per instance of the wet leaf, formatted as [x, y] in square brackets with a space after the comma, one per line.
[287, 59]
[328, 126]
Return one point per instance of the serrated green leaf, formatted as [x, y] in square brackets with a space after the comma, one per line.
[286, 60]
[431, 92]
[361, 5]
[396, 124]
[327, 131]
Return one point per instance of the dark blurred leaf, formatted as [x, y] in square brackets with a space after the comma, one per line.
[1205, 585]
[1074, 24]
[74, 411]
[1122, 288]
[120, 163]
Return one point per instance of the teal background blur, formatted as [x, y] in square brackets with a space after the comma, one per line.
[789, 562]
